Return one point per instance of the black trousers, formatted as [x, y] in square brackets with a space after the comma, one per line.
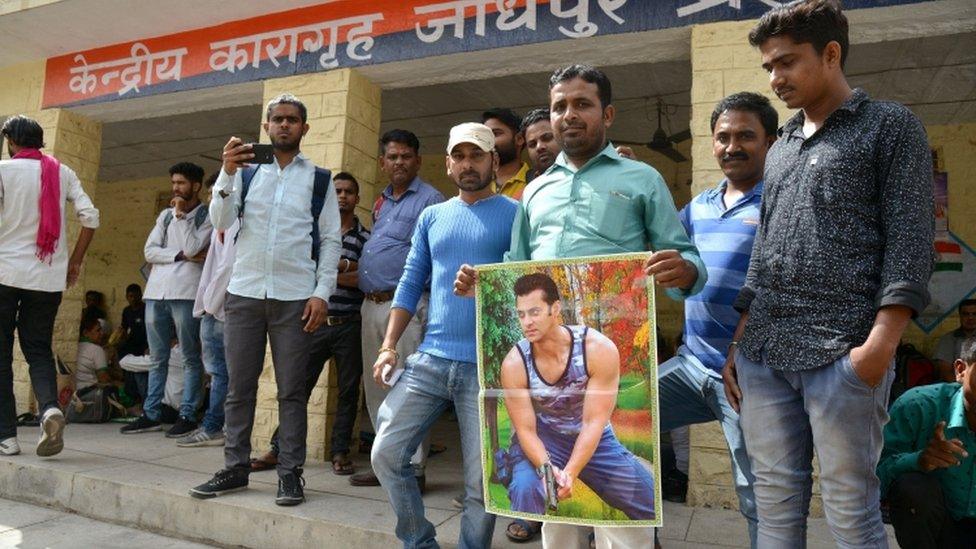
[921, 517]
[32, 314]
[343, 343]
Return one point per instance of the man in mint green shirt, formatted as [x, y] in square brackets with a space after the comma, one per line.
[928, 464]
[592, 201]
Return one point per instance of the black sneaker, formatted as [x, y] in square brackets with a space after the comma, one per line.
[290, 486]
[225, 481]
[675, 486]
[181, 428]
[142, 424]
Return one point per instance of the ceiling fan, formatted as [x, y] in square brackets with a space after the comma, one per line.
[660, 140]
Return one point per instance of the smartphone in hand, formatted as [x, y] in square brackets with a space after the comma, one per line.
[263, 153]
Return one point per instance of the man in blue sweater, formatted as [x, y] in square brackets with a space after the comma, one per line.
[472, 228]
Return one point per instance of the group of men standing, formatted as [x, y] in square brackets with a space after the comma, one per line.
[800, 270]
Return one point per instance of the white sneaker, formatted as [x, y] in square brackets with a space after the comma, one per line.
[9, 447]
[52, 431]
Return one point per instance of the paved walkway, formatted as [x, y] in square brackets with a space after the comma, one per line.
[32, 527]
[141, 481]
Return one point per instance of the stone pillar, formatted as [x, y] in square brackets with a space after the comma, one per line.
[722, 63]
[344, 122]
[77, 142]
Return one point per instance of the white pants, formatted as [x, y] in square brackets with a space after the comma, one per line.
[556, 535]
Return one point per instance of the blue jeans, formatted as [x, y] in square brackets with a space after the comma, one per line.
[161, 318]
[612, 472]
[212, 341]
[689, 394]
[786, 416]
[428, 387]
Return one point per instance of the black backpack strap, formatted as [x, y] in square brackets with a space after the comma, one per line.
[323, 179]
[166, 221]
[247, 175]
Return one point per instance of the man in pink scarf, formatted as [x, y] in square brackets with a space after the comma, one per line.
[34, 271]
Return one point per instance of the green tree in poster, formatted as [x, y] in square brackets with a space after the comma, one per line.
[500, 331]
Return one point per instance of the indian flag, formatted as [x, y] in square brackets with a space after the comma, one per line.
[949, 256]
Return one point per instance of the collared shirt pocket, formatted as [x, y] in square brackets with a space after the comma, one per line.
[609, 212]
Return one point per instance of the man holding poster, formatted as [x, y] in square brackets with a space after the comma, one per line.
[563, 426]
[592, 201]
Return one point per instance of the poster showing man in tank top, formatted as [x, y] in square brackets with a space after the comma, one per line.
[568, 370]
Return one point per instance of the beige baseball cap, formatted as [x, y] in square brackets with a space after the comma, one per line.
[474, 133]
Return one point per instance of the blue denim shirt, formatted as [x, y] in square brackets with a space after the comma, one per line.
[385, 253]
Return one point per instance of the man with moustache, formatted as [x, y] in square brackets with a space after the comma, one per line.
[513, 174]
[593, 201]
[181, 233]
[840, 265]
[284, 273]
[721, 222]
[540, 142]
[381, 264]
[474, 228]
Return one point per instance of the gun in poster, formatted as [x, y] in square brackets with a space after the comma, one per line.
[568, 371]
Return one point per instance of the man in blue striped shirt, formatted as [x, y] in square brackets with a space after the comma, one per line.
[721, 223]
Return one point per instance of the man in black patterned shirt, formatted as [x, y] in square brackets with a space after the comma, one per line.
[840, 265]
[339, 336]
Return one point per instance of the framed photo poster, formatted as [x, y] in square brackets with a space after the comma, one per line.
[567, 361]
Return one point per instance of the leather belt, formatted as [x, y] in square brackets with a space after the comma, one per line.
[337, 320]
[380, 297]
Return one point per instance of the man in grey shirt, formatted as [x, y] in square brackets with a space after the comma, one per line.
[840, 264]
[949, 347]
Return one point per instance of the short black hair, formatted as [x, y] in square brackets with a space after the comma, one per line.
[287, 99]
[403, 137]
[88, 322]
[749, 102]
[526, 284]
[506, 116]
[346, 176]
[814, 22]
[211, 179]
[589, 74]
[133, 288]
[189, 170]
[966, 303]
[23, 132]
[533, 116]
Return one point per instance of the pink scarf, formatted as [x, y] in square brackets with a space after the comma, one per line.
[49, 205]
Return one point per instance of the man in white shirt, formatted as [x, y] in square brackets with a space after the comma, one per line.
[175, 249]
[285, 271]
[34, 271]
[209, 308]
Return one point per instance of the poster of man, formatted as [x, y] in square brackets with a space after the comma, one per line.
[568, 369]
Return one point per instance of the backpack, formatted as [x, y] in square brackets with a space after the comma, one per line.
[89, 405]
[912, 368]
[198, 219]
[323, 179]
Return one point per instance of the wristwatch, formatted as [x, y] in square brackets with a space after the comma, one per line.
[541, 470]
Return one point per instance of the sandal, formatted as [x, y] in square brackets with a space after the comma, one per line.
[264, 463]
[523, 531]
[341, 465]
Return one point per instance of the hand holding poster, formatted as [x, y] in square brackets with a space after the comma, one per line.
[568, 371]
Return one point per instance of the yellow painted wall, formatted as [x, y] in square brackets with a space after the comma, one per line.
[957, 144]
[128, 212]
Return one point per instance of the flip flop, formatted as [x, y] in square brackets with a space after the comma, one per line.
[528, 530]
[258, 464]
[341, 465]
